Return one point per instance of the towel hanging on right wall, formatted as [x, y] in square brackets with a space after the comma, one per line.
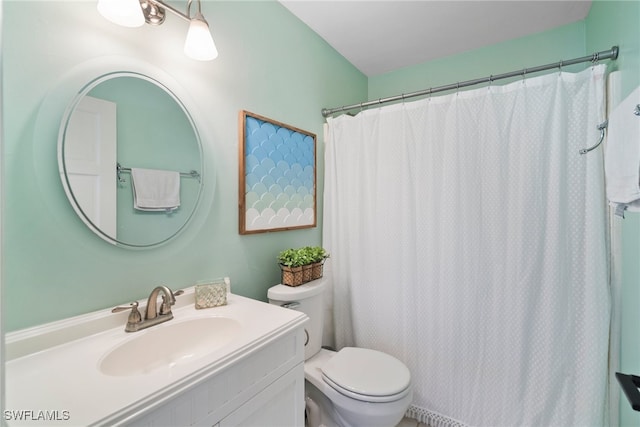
[622, 155]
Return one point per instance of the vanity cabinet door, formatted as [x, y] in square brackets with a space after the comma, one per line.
[265, 388]
[279, 405]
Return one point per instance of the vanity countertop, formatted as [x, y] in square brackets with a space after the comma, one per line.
[62, 384]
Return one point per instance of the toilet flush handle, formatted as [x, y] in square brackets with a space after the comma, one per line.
[292, 304]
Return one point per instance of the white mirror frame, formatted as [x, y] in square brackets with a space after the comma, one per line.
[64, 126]
[56, 105]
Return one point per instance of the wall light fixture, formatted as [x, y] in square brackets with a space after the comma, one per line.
[134, 13]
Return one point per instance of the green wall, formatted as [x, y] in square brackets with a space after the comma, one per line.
[544, 48]
[270, 63]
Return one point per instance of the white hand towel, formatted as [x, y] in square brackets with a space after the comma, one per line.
[155, 190]
[622, 155]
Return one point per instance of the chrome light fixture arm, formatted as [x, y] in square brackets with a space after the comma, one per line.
[199, 44]
[154, 11]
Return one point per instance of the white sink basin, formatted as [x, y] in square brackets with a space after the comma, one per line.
[167, 345]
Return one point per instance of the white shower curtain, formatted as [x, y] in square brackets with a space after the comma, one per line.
[468, 239]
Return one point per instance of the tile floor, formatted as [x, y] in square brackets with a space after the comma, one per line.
[408, 422]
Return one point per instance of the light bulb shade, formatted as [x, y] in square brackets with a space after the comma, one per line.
[127, 13]
[199, 44]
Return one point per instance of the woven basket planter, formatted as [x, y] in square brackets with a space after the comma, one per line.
[291, 276]
[307, 272]
[316, 270]
[303, 257]
[296, 276]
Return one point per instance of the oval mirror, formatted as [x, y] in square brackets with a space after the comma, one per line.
[120, 125]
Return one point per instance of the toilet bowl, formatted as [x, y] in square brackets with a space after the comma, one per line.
[352, 387]
[342, 406]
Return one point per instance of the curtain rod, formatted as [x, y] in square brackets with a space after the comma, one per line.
[595, 57]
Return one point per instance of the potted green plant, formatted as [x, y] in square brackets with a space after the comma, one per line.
[301, 265]
[318, 255]
[291, 262]
[306, 257]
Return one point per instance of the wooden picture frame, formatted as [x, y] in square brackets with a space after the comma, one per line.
[276, 175]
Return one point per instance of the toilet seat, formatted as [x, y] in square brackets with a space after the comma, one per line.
[367, 375]
[365, 397]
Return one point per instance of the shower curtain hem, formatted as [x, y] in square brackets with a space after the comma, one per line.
[431, 418]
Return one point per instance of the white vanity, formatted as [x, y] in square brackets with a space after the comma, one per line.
[240, 364]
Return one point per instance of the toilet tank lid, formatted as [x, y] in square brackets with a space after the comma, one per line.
[291, 293]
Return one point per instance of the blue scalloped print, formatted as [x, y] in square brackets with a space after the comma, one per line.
[279, 176]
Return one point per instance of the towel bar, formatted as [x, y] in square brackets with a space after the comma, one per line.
[120, 169]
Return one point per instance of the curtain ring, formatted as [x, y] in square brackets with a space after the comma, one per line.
[595, 58]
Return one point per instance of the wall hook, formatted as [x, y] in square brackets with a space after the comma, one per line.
[601, 127]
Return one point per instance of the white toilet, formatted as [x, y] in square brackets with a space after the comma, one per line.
[353, 387]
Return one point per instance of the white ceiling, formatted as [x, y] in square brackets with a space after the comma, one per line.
[378, 36]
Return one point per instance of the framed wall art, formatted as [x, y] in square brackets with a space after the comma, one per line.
[277, 176]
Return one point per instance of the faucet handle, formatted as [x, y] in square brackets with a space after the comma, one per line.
[165, 307]
[134, 316]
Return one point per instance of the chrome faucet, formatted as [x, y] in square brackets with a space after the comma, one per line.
[152, 315]
[168, 299]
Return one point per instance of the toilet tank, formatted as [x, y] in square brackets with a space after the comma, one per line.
[307, 298]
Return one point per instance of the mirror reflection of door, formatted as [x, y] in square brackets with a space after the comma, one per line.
[90, 159]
